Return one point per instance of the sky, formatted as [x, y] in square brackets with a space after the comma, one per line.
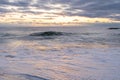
[58, 12]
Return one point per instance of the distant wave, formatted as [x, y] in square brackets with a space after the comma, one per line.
[7, 36]
[4, 34]
[113, 28]
[49, 33]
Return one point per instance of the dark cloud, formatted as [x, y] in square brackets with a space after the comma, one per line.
[2, 10]
[15, 3]
[24, 3]
[87, 8]
[4, 2]
[96, 8]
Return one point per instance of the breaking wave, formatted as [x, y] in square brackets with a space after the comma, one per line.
[49, 33]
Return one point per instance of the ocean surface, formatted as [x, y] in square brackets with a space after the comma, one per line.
[78, 53]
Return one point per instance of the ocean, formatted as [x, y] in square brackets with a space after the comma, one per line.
[59, 53]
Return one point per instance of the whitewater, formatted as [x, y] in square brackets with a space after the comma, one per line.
[59, 53]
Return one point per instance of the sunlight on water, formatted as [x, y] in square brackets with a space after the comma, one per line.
[67, 57]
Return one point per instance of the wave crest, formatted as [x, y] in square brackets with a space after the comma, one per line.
[48, 33]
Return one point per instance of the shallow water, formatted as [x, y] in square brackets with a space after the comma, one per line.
[89, 53]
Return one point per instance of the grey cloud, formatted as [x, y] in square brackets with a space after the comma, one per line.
[4, 2]
[90, 8]
[23, 3]
[95, 8]
[2, 10]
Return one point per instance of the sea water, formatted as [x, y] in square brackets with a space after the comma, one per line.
[85, 53]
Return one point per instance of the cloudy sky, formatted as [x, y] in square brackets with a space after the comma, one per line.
[59, 12]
